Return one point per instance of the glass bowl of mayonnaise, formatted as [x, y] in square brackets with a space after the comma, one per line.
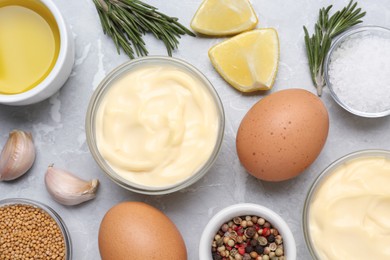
[155, 125]
[347, 210]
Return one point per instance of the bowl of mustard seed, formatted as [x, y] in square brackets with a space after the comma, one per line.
[32, 230]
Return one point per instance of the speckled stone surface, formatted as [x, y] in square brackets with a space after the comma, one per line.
[57, 125]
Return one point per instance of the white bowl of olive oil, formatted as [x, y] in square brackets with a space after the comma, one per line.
[36, 50]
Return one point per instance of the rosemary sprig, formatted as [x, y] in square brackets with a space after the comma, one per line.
[318, 45]
[126, 21]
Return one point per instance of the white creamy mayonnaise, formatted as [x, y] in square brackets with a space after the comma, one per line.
[157, 125]
[349, 215]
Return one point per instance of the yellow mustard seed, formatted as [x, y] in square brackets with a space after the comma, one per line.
[27, 232]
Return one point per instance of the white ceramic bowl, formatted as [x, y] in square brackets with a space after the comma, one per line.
[241, 210]
[60, 72]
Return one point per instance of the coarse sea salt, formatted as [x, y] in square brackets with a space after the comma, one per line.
[359, 72]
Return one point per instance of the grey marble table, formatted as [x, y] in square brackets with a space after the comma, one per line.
[57, 125]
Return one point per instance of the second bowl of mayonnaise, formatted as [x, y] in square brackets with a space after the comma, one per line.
[155, 125]
[347, 210]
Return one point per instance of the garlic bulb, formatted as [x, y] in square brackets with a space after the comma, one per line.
[18, 155]
[67, 189]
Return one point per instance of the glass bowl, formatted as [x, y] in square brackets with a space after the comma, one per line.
[362, 103]
[51, 213]
[244, 209]
[321, 180]
[98, 97]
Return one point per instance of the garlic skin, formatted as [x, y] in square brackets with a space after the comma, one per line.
[18, 155]
[68, 189]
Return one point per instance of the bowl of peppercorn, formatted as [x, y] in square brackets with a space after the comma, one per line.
[32, 230]
[247, 231]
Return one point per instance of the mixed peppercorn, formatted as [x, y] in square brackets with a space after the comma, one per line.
[247, 238]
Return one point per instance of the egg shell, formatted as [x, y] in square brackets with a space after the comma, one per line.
[282, 134]
[137, 231]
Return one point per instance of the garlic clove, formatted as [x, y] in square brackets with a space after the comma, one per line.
[18, 155]
[68, 189]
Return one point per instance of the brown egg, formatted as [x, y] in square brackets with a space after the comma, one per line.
[282, 134]
[137, 231]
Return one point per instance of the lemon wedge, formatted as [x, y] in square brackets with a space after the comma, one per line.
[224, 17]
[248, 61]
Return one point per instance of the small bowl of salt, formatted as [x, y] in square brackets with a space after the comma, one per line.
[357, 71]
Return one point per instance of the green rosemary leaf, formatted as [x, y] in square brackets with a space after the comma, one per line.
[326, 28]
[126, 21]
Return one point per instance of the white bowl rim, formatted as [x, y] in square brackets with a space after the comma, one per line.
[64, 43]
[244, 209]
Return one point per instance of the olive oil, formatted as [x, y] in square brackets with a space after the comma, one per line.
[29, 44]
